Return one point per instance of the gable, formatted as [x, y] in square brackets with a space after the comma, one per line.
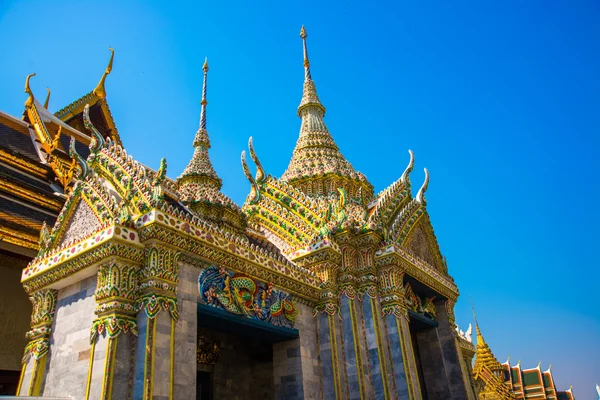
[82, 223]
[422, 242]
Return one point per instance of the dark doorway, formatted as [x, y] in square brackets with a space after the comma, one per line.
[204, 389]
[9, 380]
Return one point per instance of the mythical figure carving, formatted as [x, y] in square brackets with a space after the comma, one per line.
[241, 295]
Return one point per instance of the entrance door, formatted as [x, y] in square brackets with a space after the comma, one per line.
[204, 385]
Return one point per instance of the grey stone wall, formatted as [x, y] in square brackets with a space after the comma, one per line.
[69, 355]
[297, 372]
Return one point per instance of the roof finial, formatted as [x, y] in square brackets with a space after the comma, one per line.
[29, 100]
[405, 178]
[100, 91]
[47, 99]
[479, 336]
[421, 193]
[203, 103]
[303, 35]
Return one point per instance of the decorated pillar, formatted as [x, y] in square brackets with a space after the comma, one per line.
[36, 351]
[114, 331]
[158, 313]
[357, 370]
[329, 333]
[393, 308]
[376, 345]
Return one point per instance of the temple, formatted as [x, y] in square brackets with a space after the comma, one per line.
[147, 287]
[493, 380]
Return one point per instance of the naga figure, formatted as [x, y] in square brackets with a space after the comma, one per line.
[241, 295]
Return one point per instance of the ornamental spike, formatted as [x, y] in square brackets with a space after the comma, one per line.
[260, 172]
[421, 193]
[75, 155]
[406, 175]
[203, 103]
[47, 102]
[254, 192]
[100, 91]
[30, 99]
[303, 35]
[97, 141]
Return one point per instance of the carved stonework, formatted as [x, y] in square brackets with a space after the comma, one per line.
[207, 352]
[418, 304]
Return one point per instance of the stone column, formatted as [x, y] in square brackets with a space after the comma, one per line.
[113, 332]
[393, 307]
[155, 351]
[36, 351]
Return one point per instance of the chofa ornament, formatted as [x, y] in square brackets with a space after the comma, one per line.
[241, 295]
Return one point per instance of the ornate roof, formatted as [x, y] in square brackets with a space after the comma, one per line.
[317, 165]
[99, 110]
[199, 185]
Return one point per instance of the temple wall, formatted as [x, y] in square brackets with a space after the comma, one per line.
[70, 347]
[15, 311]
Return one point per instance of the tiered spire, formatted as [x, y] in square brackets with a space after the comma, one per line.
[200, 169]
[317, 165]
[199, 185]
[484, 355]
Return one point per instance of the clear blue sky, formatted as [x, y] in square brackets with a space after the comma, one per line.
[499, 100]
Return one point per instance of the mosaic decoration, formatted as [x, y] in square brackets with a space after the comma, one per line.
[153, 303]
[44, 307]
[113, 326]
[42, 316]
[241, 295]
[36, 349]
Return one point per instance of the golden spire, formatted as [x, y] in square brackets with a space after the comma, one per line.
[30, 99]
[316, 158]
[200, 172]
[47, 102]
[309, 94]
[484, 355]
[100, 91]
[303, 35]
[203, 103]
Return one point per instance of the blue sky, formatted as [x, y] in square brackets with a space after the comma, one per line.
[499, 100]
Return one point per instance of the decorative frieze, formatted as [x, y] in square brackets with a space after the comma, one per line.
[242, 295]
